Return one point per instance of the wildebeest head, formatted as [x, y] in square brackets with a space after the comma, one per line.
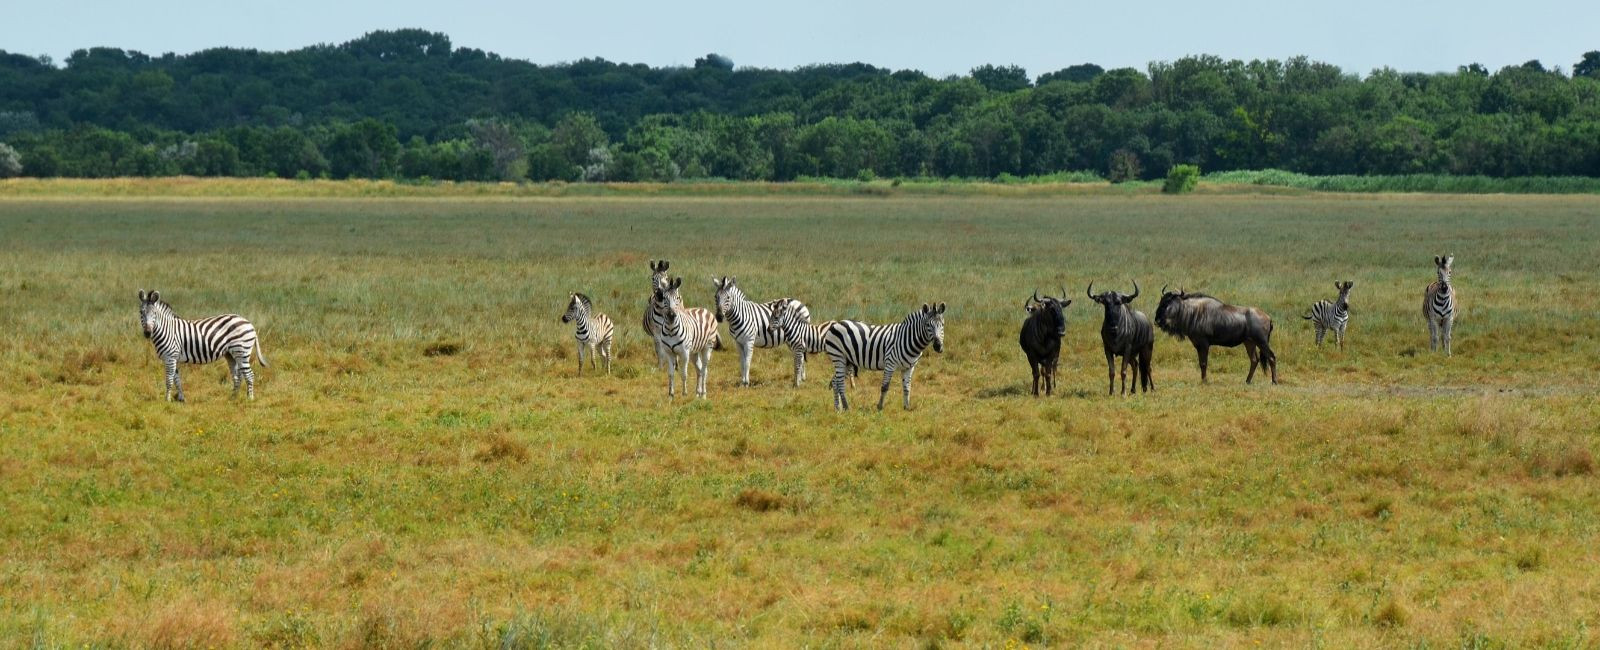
[1050, 310]
[576, 304]
[1113, 301]
[1167, 310]
[1442, 264]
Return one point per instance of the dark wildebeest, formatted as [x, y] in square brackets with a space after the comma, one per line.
[1041, 337]
[1126, 332]
[1206, 321]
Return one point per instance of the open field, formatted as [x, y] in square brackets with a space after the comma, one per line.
[375, 495]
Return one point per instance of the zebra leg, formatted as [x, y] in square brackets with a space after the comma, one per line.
[702, 366]
[746, 348]
[685, 361]
[605, 351]
[839, 401]
[1448, 327]
[799, 366]
[1433, 335]
[249, 374]
[1338, 335]
[883, 391]
[1321, 331]
[177, 381]
[672, 372]
[905, 385]
[234, 367]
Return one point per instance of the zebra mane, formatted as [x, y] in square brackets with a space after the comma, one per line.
[585, 300]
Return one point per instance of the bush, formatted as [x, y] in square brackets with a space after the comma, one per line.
[1181, 178]
[1124, 166]
[10, 162]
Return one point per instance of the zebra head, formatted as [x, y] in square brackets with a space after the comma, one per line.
[658, 274]
[150, 310]
[666, 300]
[578, 306]
[1442, 265]
[728, 294]
[932, 317]
[1344, 293]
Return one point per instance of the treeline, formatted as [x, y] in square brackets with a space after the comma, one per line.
[408, 104]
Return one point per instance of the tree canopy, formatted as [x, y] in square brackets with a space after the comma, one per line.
[408, 103]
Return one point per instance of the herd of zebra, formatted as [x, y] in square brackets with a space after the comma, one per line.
[682, 334]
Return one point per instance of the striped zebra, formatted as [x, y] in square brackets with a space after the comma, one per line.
[658, 276]
[1439, 305]
[199, 341]
[1332, 315]
[883, 347]
[684, 333]
[749, 322]
[594, 330]
[792, 322]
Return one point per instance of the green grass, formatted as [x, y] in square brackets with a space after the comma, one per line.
[377, 495]
[1430, 183]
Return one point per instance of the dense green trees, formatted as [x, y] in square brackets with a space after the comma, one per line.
[408, 103]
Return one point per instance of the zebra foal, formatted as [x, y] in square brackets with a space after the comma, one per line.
[1439, 305]
[684, 333]
[749, 323]
[1332, 315]
[199, 341]
[594, 330]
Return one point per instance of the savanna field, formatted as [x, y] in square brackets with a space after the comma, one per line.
[423, 466]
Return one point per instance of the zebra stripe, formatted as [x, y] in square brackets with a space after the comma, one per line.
[1439, 306]
[883, 347]
[749, 323]
[198, 342]
[1332, 315]
[684, 332]
[791, 323]
[594, 330]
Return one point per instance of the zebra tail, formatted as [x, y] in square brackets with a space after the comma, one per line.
[716, 340]
[1307, 316]
[262, 357]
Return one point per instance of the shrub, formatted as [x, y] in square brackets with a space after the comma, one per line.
[1181, 178]
[1124, 166]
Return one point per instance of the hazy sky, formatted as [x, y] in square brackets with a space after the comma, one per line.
[936, 36]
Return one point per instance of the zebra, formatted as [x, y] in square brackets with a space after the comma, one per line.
[1332, 315]
[748, 322]
[684, 333]
[791, 322]
[658, 276]
[594, 329]
[199, 341]
[883, 347]
[1439, 305]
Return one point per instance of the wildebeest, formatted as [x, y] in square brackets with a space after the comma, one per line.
[1041, 337]
[1125, 332]
[1206, 321]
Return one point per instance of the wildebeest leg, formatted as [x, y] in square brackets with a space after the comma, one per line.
[1111, 374]
[1126, 359]
[1034, 366]
[883, 392]
[1250, 351]
[1203, 351]
[1269, 360]
[1144, 368]
[1049, 377]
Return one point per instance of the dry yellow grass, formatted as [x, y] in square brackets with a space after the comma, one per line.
[377, 495]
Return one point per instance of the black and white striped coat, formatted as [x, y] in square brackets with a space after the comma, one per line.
[594, 330]
[1439, 306]
[791, 322]
[749, 323]
[658, 276]
[1332, 315]
[853, 344]
[178, 341]
[684, 333]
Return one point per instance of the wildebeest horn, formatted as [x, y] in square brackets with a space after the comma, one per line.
[1135, 290]
[1063, 290]
[1036, 296]
[1163, 290]
[1090, 291]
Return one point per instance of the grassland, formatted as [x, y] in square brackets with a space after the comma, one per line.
[375, 495]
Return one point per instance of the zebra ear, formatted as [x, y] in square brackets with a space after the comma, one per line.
[941, 308]
[926, 309]
[675, 283]
[155, 296]
[141, 295]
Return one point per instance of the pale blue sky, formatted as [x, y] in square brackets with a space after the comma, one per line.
[936, 36]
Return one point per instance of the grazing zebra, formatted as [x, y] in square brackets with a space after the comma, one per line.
[791, 322]
[1334, 315]
[684, 333]
[594, 329]
[883, 347]
[199, 341]
[748, 322]
[1439, 306]
[658, 276]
